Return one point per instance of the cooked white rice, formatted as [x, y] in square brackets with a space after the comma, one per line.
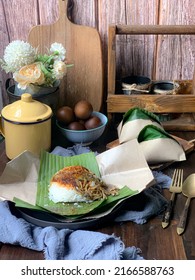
[62, 194]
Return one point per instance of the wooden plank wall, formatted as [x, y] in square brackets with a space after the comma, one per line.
[165, 57]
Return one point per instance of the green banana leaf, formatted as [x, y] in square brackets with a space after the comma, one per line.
[151, 132]
[138, 113]
[107, 204]
[49, 165]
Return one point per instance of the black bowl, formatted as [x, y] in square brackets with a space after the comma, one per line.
[138, 80]
[164, 87]
[131, 84]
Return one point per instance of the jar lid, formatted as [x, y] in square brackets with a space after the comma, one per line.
[26, 110]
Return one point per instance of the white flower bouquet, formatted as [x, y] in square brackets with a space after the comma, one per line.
[31, 69]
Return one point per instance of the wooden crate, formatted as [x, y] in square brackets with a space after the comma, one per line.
[182, 103]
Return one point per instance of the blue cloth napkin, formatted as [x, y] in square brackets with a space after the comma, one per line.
[70, 151]
[66, 244]
[148, 203]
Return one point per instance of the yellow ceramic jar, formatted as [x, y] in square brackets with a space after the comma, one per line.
[26, 125]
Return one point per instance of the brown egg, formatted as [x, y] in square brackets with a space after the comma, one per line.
[92, 122]
[82, 122]
[76, 126]
[83, 109]
[65, 115]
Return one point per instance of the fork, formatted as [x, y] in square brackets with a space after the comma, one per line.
[175, 187]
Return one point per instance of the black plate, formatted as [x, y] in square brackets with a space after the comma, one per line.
[44, 219]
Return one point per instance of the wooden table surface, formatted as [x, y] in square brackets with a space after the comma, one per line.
[155, 242]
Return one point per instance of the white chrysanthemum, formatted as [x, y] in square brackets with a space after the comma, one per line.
[57, 47]
[17, 54]
[59, 69]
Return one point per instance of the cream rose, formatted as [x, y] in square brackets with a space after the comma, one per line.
[29, 74]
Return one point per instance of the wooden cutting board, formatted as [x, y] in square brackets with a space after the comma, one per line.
[83, 48]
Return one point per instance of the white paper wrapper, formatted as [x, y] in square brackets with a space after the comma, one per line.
[162, 150]
[157, 150]
[19, 178]
[125, 165]
[120, 166]
[131, 129]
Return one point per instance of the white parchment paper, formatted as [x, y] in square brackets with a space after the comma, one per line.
[19, 178]
[120, 166]
[125, 165]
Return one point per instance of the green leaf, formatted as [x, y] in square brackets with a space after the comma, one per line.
[70, 209]
[50, 164]
[23, 204]
[124, 193]
[46, 72]
[77, 210]
[150, 132]
[138, 113]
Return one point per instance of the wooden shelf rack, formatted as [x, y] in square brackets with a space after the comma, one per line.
[178, 103]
